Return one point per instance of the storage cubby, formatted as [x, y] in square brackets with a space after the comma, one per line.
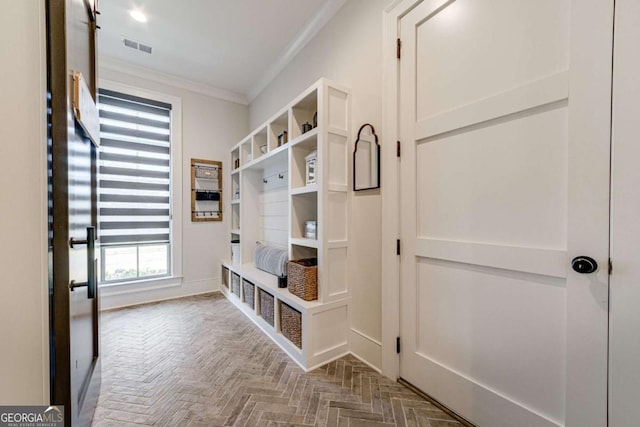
[299, 153]
[276, 128]
[267, 304]
[304, 207]
[235, 159]
[235, 217]
[235, 284]
[235, 187]
[224, 276]
[246, 152]
[260, 141]
[248, 293]
[303, 252]
[291, 323]
[275, 201]
[303, 112]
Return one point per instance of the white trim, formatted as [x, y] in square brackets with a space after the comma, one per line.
[44, 213]
[541, 261]
[310, 30]
[365, 348]
[110, 63]
[390, 267]
[365, 336]
[493, 399]
[333, 359]
[158, 292]
[527, 97]
[176, 163]
[365, 362]
[143, 283]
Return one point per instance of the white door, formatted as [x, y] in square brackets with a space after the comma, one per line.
[505, 125]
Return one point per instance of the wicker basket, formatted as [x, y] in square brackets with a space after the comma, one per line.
[303, 278]
[235, 284]
[249, 293]
[291, 324]
[225, 276]
[266, 306]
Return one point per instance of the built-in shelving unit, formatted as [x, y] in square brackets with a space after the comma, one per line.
[270, 203]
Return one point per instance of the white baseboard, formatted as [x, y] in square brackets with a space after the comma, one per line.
[112, 297]
[366, 349]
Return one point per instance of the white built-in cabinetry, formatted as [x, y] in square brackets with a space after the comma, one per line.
[270, 203]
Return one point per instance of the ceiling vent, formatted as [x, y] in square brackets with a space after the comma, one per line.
[144, 48]
[137, 46]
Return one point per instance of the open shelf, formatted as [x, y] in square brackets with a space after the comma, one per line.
[304, 207]
[307, 243]
[309, 139]
[275, 157]
[312, 188]
[235, 187]
[246, 154]
[259, 141]
[235, 159]
[235, 216]
[301, 251]
[276, 127]
[303, 112]
[299, 164]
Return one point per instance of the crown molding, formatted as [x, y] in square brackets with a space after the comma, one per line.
[113, 64]
[312, 28]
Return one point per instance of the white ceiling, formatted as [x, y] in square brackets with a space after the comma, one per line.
[233, 45]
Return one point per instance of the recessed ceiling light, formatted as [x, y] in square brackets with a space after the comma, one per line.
[138, 16]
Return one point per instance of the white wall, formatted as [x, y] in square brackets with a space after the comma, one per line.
[210, 127]
[24, 354]
[348, 51]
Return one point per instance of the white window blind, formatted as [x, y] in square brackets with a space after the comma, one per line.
[134, 170]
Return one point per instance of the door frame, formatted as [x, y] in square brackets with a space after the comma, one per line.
[583, 39]
[390, 193]
[624, 378]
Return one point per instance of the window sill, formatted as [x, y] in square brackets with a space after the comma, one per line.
[141, 285]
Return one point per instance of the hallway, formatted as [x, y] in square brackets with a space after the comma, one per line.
[198, 361]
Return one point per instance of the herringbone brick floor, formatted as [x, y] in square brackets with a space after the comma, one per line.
[198, 361]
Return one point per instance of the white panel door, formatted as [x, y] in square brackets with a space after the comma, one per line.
[505, 125]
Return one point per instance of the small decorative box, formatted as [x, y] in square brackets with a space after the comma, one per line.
[312, 164]
[310, 230]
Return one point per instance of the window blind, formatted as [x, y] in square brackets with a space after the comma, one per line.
[134, 169]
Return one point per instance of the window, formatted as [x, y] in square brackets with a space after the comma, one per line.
[134, 196]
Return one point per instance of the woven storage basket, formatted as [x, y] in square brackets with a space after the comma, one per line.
[248, 288]
[225, 276]
[266, 306]
[291, 324]
[303, 278]
[235, 284]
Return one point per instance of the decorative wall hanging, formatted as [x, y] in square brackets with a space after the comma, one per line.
[366, 160]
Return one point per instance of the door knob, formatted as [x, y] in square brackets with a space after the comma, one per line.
[584, 264]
